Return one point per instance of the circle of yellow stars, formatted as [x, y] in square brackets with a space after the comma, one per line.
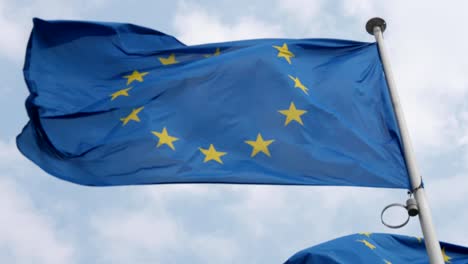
[259, 145]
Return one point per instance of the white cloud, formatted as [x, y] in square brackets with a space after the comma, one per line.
[149, 233]
[131, 235]
[234, 224]
[13, 42]
[9, 154]
[16, 20]
[301, 11]
[448, 195]
[214, 249]
[194, 25]
[28, 235]
[291, 218]
[359, 8]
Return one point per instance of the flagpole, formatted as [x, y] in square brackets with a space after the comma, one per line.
[376, 26]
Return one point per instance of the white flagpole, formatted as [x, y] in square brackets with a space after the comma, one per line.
[376, 26]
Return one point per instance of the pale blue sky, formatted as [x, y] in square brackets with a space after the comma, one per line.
[46, 220]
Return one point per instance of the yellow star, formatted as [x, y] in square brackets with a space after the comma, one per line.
[387, 262]
[212, 154]
[298, 84]
[164, 138]
[446, 258]
[419, 239]
[123, 92]
[367, 244]
[259, 145]
[135, 76]
[293, 114]
[217, 53]
[169, 60]
[284, 52]
[367, 234]
[132, 116]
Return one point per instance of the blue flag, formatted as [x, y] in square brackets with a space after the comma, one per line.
[369, 248]
[117, 104]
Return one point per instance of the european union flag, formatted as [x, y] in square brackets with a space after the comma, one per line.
[116, 104]
[372, 248]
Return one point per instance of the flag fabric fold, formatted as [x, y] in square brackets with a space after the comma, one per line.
[119, 104]
[374, 248]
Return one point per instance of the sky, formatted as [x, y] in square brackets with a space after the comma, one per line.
[47, 220]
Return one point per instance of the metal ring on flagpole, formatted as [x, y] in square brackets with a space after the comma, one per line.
[394, 226]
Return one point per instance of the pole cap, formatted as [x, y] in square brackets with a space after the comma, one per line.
[375, 22]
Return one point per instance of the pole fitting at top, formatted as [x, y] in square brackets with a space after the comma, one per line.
[375, 22]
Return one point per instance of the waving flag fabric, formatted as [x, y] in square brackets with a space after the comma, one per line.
[372, 248]
[117, 104]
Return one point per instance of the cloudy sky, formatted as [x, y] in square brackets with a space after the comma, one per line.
[46, 220]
